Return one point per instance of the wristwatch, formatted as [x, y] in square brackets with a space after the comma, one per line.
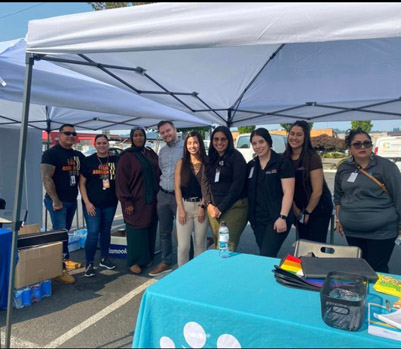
[282, 216]
[202, 206]
[306, 212]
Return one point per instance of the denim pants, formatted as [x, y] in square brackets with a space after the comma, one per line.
[98, 226]
[62, 219]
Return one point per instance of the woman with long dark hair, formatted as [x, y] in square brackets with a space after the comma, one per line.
[188, 194]
[224, 186]
[270, 193]
[312, 204]
[136, 187]
[367, 194]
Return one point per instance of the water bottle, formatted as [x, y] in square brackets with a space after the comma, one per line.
[398, 240]
[223, 240]
[36, 292]
[26, 296]
[18, 299]
[47, 288]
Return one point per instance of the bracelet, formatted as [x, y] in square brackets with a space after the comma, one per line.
[307, 212]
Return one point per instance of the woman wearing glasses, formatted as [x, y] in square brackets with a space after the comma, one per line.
[368, 213]
[312, 203]
[136, 187]
[188, 194]
[223, 186]
[97, 186]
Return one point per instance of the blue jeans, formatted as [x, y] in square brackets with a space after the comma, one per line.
[100, 224]
[62, 219]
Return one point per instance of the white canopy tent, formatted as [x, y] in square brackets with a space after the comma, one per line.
[240, 63]
[61, 96]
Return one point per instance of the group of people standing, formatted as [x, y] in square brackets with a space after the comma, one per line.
[273, 192]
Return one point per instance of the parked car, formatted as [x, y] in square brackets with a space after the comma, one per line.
[112, 151]
[390, 148]
[243, 145]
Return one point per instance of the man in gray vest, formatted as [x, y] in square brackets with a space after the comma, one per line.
[166, 204]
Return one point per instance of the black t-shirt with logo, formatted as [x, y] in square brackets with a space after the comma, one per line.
[95, 170]
[66, 175]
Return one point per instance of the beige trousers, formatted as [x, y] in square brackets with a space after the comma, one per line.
[191, 227]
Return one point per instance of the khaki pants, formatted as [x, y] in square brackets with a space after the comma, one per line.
[236, 218]
[184, 233]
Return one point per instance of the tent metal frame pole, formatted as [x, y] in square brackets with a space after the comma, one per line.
[29, 61]
[48, 130]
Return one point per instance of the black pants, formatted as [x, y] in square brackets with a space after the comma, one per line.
[376, 252]
[316, 229]
[268, 240]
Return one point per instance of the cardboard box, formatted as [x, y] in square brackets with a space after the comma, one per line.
[38, 264]
[29, 229]
[118, 245]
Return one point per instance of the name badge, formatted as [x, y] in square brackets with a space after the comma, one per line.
[217, 176]
[72, 181]
[251, 172]
[352, 177]
[106, 183]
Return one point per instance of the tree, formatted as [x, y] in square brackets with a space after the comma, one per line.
[364, 125]
[288, 126]
[201, 130]
[97, 6]
[245, 129]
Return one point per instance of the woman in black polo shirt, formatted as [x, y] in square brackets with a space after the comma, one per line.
[223, 186]
[271, 184]
[312, 204]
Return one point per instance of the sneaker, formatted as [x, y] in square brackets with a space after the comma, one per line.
[160, 269]
[65, 278]
[105, 263]
[89, 271]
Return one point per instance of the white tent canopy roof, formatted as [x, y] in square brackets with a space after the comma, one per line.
[241, 63]
[63, 96]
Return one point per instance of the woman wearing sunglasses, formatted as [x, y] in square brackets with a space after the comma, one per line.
[312, 203]
[368, 213]
[223, 187]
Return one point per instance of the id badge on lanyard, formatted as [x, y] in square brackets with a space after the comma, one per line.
[217, 176]
[73, 182]
[352, 177]
[106, 183]
[251, 172]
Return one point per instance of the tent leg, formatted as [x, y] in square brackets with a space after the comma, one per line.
[18, 193]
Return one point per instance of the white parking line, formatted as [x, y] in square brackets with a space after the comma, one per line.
[100, 315]
[18, 343]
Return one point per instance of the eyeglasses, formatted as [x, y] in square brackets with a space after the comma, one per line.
[68, 133]
[365, 144]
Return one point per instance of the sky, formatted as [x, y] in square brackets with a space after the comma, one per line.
[14, 18]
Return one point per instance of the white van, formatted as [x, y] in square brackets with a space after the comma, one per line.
[243, 145]
[390, 148]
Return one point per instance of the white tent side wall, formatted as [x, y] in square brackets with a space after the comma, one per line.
[32, 195]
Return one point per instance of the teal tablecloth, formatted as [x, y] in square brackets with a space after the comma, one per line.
[235, 302]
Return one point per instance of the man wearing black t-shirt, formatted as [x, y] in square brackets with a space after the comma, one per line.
[60, 172]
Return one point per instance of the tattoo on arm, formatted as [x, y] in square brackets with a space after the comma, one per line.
[48, 183]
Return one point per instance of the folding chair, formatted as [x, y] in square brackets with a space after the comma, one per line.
[318, 249]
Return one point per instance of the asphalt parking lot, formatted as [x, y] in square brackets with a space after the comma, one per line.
[101, 311]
